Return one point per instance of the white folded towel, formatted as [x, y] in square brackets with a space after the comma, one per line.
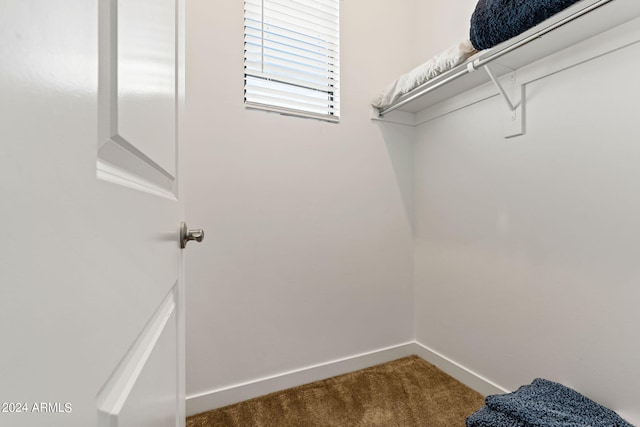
[437, 65]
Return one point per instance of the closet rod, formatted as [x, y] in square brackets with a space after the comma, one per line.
[471, 66]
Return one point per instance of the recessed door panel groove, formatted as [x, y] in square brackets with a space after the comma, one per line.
[153, 351]
[138, 94]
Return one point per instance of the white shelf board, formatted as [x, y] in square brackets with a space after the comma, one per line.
[604, 17]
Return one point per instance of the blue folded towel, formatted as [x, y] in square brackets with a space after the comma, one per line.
[486, 417]
[495, 21]
[544, 403]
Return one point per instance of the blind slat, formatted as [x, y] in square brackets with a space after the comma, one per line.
[322, 9]
[282, 93]
[255, 43]
[300, 64]
[311, 47]
[319, 10]
[292, 105]
[295, 24]
[323, 85]
[284, 97]
[292, 55]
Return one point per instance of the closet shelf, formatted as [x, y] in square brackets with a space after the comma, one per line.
[579, 22]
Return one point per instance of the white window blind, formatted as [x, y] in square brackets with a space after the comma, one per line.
[291, 57]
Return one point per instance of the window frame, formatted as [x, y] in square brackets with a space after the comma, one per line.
[275, 44]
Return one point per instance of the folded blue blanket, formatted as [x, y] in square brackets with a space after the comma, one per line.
[544, 403]
[495, 21]
[486, 417]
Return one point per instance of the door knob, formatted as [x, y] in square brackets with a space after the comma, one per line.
[187, 234]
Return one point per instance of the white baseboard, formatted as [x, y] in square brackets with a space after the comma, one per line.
[224, 396]
[459, 372]
[218, 398]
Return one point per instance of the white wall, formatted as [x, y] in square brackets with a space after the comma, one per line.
[308, 249]
[527, 249]
[439, 25]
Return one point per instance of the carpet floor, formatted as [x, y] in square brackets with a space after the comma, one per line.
[407, 392]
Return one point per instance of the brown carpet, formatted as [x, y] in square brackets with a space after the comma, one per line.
[407, 392]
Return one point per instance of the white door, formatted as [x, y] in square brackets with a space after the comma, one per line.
[91, 302]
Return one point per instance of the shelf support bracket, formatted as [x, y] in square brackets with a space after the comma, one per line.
[515, 121]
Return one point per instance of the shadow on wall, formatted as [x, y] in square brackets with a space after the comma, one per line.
[399, 140]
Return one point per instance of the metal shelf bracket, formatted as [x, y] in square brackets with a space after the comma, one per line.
[514, 124]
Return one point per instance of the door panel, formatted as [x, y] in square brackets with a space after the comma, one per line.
[91, 288]
[147, 370]
[138, 94]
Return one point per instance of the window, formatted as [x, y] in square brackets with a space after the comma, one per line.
[291, 57]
